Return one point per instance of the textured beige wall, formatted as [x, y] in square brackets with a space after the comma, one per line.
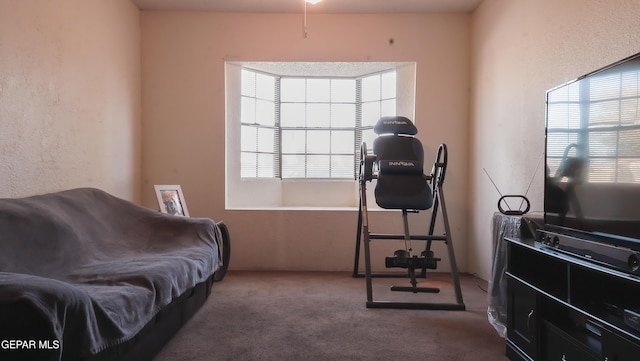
[183, 96]
[520, 49]
[69, 96]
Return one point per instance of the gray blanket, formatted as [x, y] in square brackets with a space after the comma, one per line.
[94, 268]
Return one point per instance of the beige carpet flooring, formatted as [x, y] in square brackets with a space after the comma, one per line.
[322, 316]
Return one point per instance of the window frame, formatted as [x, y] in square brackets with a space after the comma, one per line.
[361, 99]
[282, 194]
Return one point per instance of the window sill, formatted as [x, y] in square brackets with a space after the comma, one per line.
[307, 208]
[292, 208]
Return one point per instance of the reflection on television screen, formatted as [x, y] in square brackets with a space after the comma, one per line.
[593, 152]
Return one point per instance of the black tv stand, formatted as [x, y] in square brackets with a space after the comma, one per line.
[562, 307]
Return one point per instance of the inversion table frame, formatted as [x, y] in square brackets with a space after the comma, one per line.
[437, 179]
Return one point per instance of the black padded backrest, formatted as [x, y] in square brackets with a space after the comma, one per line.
[401, 183]
[397, 154]
[395, 125]
[401, 191]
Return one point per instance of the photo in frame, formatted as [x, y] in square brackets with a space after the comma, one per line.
[171, 200]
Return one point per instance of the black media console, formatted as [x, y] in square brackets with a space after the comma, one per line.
[565, 307]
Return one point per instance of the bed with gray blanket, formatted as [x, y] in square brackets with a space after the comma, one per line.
[85, 275]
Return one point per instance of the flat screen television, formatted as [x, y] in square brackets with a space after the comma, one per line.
[592, 156]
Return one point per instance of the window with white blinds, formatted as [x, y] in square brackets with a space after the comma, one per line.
[602, 115]
[258, 146]
[296, 127]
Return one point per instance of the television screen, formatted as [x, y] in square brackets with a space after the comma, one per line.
[592, 183]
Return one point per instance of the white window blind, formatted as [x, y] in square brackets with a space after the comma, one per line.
[258, 148]
[318, 122]
[310, 127]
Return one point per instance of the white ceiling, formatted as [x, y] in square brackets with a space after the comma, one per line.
[325, 6]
